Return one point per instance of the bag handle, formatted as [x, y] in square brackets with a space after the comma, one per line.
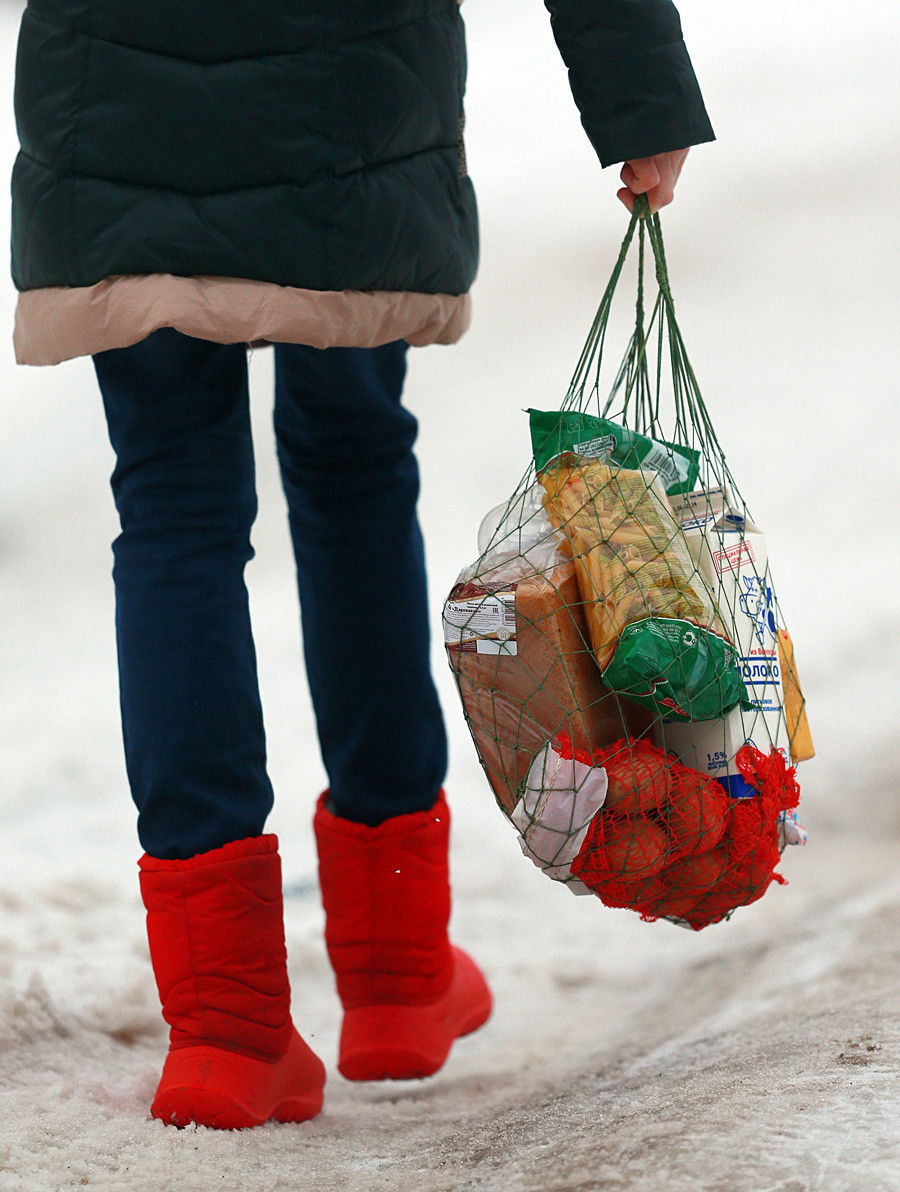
[656, 348]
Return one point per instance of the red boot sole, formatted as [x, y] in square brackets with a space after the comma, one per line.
[398, 1042]
[207, 1086]
[187, 1106]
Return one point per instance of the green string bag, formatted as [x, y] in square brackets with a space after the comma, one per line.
[618, 645]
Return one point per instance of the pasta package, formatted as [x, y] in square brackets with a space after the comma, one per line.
[653, 624]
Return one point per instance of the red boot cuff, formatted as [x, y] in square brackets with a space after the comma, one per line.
[216, 934]
[250, 846]
[386, 893]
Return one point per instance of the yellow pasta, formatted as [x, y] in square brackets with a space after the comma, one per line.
[630, 557]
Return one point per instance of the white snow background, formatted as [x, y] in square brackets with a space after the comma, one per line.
[756, 1056]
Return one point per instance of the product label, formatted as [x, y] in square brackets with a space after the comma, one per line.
[696, 523]
[591, 448]
[673, 469]
[760, 670]
[761, 673]
[484, 623]
[733, 558]
[717, 762]
[697, 508]
[757, 604]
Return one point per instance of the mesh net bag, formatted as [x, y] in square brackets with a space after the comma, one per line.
[618, 646]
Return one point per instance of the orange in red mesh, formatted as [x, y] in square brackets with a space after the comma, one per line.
[697, 812]
[669, 904]
[739, 888]
[638, 776]
[701, 872]
[652, 897]
[634, 895]
[621, 894]
[619, 849]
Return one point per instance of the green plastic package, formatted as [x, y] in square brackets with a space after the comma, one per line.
[554, 432]
[677, 668]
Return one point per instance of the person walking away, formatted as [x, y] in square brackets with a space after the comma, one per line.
[192, 179]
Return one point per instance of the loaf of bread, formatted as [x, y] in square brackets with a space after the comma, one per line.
[515, 702]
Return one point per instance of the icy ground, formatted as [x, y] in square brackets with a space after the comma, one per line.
[756, 1056]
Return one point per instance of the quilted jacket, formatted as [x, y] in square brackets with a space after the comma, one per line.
[292, 170]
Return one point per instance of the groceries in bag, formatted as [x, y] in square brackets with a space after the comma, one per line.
[697, 855]
[643, 832]
[618, 647]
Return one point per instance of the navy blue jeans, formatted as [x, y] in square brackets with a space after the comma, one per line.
[179, 422]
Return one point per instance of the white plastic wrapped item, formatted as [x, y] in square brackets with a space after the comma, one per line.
[560, 797]
[516, 542]
[519, 528]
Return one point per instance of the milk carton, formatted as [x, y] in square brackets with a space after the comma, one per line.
[730, 554]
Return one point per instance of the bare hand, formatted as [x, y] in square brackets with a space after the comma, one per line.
[654, 177]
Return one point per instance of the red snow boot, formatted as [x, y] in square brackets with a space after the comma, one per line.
[407, 993]
[214, 923]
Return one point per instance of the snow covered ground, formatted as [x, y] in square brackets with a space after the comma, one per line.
[756, 1056]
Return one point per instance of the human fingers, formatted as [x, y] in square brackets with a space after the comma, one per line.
[657, 196]
[678, 159]
[627, 197]
[662, 195]
[669, 166]
[640, 174]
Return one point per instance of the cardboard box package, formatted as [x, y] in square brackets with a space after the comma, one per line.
[730, 554]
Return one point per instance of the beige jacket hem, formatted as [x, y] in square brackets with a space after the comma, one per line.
[61, 322]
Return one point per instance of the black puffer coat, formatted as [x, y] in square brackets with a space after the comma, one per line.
[290, 171]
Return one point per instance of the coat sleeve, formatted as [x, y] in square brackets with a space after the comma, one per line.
[631, 76]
